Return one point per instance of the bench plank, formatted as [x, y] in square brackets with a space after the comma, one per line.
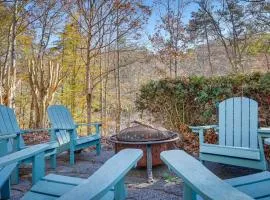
[51, 188]
[37, 196]
[64, 179]
[256, 185]
[239, 152]
[256, 190]
[243, 180]
[200, 179]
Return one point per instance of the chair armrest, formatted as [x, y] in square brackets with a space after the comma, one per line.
[196, 129]
[97, 125]
[23, 154]
[62, 129]
[110, 174]
[26, 131]
[91, 124]
[201, 130]
[7, 136]
[264, 131]
[198, 179]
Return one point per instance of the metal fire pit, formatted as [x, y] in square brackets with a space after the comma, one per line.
[152, 141]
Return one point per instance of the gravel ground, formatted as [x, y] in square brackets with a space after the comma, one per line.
[165, 185]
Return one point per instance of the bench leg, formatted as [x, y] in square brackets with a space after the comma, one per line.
[98, 148]
[5, 190]
[38, 168]
[15, 176]
[188, 193]
[53, 161]
[120, 190]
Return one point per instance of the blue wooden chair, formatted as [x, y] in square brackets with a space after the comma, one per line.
[240, 142]
[11, 136]
[6, 171]
[64, 131]
[200, 183]
[106, 183]
[8, 163]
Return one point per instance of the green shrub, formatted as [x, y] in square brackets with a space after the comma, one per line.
[192, 100]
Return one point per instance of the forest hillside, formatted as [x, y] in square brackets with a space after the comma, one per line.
[94, 56]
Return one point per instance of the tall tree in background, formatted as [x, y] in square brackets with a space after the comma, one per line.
[8, 70]
[234, 23]
[170, 37]
[201, 30]
[93, 16]
[43, 78]
[15, 16]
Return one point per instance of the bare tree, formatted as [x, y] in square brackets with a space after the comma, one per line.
[44, 79]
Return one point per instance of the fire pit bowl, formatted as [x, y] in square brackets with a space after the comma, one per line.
[157, 147]
[151, 140]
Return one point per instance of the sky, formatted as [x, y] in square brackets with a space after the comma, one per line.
[155, 18]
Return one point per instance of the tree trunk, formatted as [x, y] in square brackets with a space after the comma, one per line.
[267, 62]
[209, 51]
[88, 84]
[118, 86]
[13, 57]
[31, 114]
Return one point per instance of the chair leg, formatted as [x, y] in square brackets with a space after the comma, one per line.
[120, 192]
[5, 190]
[71, 157]
[98, 148]
[38, 167]
[15, 176]
[53, 161]
[188, 193]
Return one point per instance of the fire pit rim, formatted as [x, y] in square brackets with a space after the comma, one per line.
[173, 138]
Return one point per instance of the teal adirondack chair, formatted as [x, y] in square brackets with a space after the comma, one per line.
[240, 143]
[200, 183]
[6, 171]
[64, 131]
[106, 183]
[8, 163]
[11, 136]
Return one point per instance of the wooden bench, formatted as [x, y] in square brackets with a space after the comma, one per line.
[200, 183]
[106, 183]
[8, 164]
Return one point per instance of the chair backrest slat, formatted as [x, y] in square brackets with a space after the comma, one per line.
[222, 123]
[253, 124]
[245, 122]
[237, 137]
[3, 148]
[238, 122]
